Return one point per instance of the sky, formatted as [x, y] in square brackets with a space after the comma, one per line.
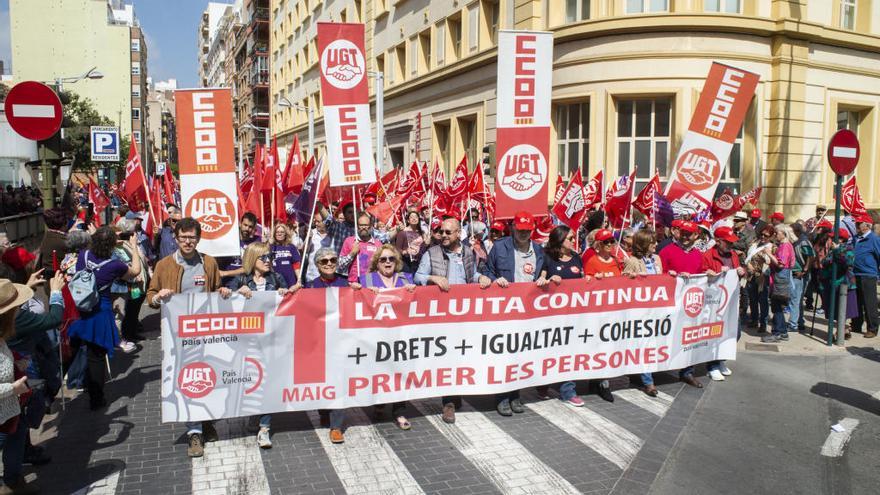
[169, 28]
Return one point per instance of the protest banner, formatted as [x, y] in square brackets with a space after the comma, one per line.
[523, 135]
[716, 121]
[208, 185]
[345, 97]
[336, 348]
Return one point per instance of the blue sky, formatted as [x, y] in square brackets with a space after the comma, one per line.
[170, 29]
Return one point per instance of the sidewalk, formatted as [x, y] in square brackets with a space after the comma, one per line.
[806, 344]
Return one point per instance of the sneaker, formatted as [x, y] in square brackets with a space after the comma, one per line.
[770, 339]
[870, 334]
[127, 347]
[575, 401]
[722, 367]
[820, 312]
[716, 375]
[36, 456]
[516, 406]
[196, 446]
[783, 337]
[503, 408]
[448, 415]
[543, 392]
[209, 432]
[336, 436]
[605, 391]
[263, 439]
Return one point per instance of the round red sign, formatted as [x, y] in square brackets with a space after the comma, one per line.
[843, 152]
[33, 110]
[214, 210]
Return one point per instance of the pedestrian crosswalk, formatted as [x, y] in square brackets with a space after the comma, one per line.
[492, 450]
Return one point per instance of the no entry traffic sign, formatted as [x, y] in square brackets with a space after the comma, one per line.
[33, 110]
[843, 152]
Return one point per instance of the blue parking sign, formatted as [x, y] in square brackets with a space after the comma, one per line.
[105, 144]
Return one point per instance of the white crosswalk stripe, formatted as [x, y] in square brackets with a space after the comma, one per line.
[232, 464]
[104, 486]
[837, 440]
[610, 440]
[504, 461]
[655, 405]
[365, 463]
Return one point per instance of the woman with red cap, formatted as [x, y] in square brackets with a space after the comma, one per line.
[843, 256]
[601, 265]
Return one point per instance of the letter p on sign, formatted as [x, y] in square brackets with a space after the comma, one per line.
[105, 144]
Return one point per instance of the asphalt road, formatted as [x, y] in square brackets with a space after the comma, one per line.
[762, 430]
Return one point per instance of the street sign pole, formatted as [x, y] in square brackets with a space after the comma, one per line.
[838, 184]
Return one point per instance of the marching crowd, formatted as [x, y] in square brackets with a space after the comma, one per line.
[66, 308]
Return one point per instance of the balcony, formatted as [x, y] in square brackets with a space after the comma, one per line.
[260, 15]
[259, 49]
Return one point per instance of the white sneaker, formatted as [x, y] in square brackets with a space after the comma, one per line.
[263, 439]
[127, 347]
[716, 375]
[724, 369]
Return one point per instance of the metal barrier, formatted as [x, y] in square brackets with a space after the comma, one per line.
[23, 226]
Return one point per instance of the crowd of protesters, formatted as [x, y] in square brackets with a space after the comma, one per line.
[785, 270]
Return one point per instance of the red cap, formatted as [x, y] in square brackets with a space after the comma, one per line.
[843, 233]
[777, 216]
[370, 200]
[17, 257]
[706, 225]
[676, 224]
[726, 234]
[756, 213]
[524, 221]
[435, 224]
[603, 235]
[688, 226]
[344, 204]
[824, 224]
[499, 226]
[865, 219]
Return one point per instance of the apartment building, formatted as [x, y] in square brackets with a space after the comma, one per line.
[212, 44]
[160, 123]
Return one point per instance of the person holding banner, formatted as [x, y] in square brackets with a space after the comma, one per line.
[187, 271]
[444, 265]
[357, 250]
[644, 261]
[231, 265]
[515, 259]
[716, 261]
[285, 256]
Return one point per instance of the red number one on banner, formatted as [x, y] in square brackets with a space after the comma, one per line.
[309, 337]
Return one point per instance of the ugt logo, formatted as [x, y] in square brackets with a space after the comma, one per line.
[693, 301]
[196, 380]
[522, 171]
[213, 210]
[699, 169]
[342, 64]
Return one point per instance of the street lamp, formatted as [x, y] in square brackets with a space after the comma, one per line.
[284, 102]
[248, 125]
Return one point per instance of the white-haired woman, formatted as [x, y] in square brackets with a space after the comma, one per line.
[781, 257]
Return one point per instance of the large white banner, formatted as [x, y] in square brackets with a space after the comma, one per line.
[339, 348]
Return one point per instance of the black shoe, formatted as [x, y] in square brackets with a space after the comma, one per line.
[325, 419]
[504, 409]
[770, 339]
[605, 393]
[209, 433]
[196, 446]
[516, 406]
[783, 337]
[96, 405]
[36, 456]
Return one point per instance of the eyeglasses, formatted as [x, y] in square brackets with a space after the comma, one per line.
[608, 242]
[187, 238]
[387, 259]
[266, 258]
[448, 232]
[327, 261]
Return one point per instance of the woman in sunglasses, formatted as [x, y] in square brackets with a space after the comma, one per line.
[603, 264]
[258, 276]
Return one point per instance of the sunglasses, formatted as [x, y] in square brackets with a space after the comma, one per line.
[447, 232]
[608, 242]
[327, 261]
[266, 258]
[387, 259]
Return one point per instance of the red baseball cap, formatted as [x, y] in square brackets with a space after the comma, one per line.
[865, 219]
[435, 224]
[17, 257]
[705, 225]
[756, 213]
[499, 226]
[778, 215]
[603, 235]
[524, 221]
[688, 226]
[676, 224]
[726, 234]
[824, 224]
[843, 233]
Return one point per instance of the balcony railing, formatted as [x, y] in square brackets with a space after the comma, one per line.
[260, 15]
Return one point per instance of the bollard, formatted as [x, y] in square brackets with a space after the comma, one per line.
[841, 313]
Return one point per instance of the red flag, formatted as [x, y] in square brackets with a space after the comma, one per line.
[851, 200]
[570, 208]
[159, 211]
[593, 190]
[458, 182]
[293, 169]
[254, 199]
[477, 186]
[438, 181]
[543, 226]
[644, 202]
[170, 185]
[97, 196]
[411, 182]
[725, 205]
[383, 186]
[134, 187]
[617, 204]
[560, 188]
[386, 210]
[270, 159]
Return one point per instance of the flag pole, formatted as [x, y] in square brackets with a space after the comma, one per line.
[307, 244]
[354, 203]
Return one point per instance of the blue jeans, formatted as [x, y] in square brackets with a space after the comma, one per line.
[689, 370]
[193, 427]
[567, 391]
[337, 417]
[795, 304]
[780, 327]
[758, 302]
[265, 421]
[647, 379]
[13, 451]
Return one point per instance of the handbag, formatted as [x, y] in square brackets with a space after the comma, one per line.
[780, 290]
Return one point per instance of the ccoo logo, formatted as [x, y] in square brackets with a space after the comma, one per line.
[196, 380]
[522, 171]
[693, 301]
[213, 210]
[342, 64]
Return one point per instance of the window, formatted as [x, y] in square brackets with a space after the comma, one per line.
[492, 11]
[401, 62]
[414, 56]
[137, 136]
[643, 135]
[425, 51]
[473, 18]
[577, 10]
[731, 176]
[453, 25]
[441, 145]
[390, 72]
[467, 130]
[440, 44]
[848, 119]
[726, 6]
[135, 114]
[135, 45]
[381, 7]
[380, 66]
[848, 14]
[573, 138]
[135, 68]
[643, 6]
[136, 90]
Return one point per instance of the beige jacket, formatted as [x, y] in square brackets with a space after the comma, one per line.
[636, 266]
